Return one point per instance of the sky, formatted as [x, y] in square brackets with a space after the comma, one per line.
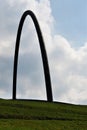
[64, 27]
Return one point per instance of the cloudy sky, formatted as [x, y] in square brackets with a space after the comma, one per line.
[64, 27]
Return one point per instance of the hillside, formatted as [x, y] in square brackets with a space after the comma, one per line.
[39, 115]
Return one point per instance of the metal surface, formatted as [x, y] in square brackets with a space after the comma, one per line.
[43, 54]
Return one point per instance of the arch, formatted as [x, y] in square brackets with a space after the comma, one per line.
[43, 54]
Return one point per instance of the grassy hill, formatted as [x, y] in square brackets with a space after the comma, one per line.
[36, 115]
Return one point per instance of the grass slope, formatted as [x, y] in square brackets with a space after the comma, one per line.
[34, 115]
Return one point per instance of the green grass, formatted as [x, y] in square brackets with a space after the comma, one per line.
[34, 115]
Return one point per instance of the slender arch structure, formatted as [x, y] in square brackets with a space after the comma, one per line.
[43, 54]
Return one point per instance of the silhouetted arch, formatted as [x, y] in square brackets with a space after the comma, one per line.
[43, 54]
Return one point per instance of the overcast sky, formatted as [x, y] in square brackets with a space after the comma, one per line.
[64, 27]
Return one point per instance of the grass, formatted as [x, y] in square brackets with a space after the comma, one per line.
[34, 115]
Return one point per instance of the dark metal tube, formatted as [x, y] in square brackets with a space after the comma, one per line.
[43, 54]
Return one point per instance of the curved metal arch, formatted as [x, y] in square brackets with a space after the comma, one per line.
[43, 54]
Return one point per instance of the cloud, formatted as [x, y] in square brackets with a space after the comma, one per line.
[12, 12]
[67, 65]
[69, 71]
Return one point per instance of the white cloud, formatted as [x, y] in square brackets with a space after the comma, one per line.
[67, 65]
[69, 71]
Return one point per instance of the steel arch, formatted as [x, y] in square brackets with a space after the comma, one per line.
[43, 54]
